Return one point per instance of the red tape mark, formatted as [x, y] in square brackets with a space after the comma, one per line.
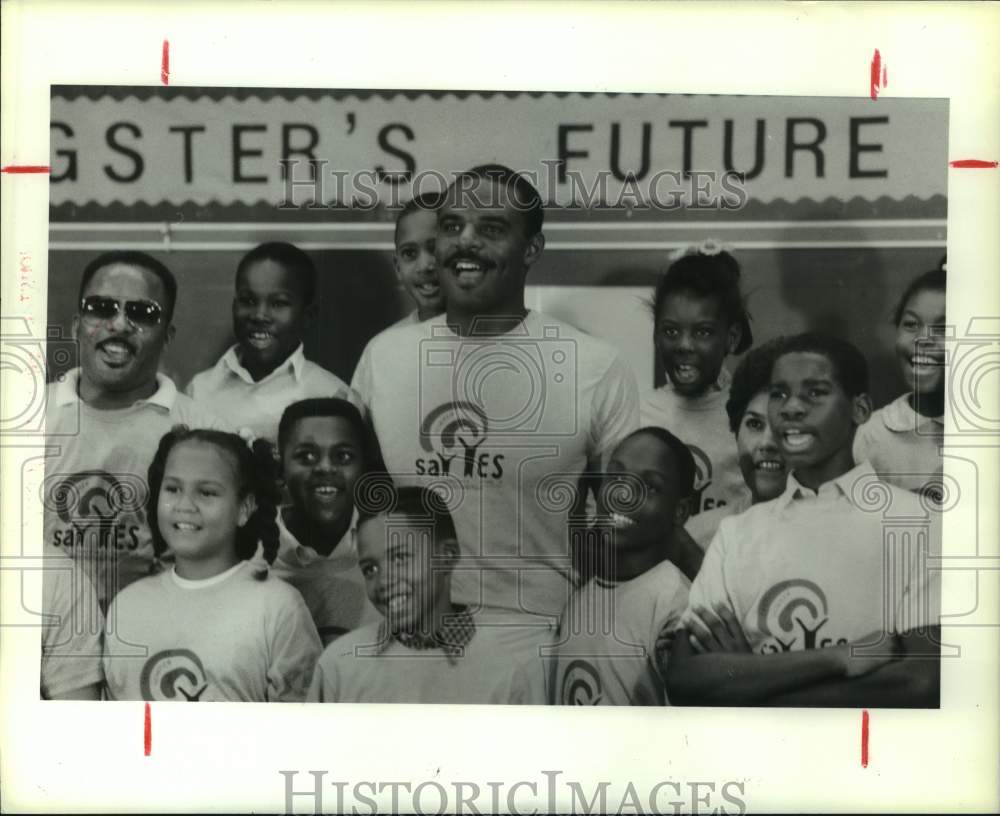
[864, 738]
[879, 75]
[974, 164]
[25, 168]
[147, 733]
[165, 63]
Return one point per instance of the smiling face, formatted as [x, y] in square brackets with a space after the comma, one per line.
[760, 459]
[321, 462]
[920, 341]
[813, 418]
[119, 361]
[401, 579]
[693, 339]
[199, 508]
[269, 316]
[483, 253]
[414, 259]
[645, 518]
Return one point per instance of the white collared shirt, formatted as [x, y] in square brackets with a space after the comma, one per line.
[232, 393]
[332, 586]
[820, 568]
[96, 480]
[903, 446]
[702, 424]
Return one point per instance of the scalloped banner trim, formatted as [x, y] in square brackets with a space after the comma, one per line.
[802, 209]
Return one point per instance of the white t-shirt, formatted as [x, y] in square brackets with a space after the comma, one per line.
[702, 424]
[702, 527]
[229, 390]
[365, 667]
[71, 634]
[332, 586]
[903, 446]
[97, 482]
[506, 425]
[230, 637]
[814, 569]
[606, 646]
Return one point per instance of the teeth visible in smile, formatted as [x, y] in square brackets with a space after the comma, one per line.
[922, 360]
[186, 526]
[770, 465]
[621, 522]
[797, 439]
[260, 335]
[467, 266]
[326, 491]
[397, 603]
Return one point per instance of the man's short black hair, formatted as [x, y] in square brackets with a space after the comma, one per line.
[430, 201]
[850, 369]
[422, 505]
[523, 195]
[288, 257]
[132, 257]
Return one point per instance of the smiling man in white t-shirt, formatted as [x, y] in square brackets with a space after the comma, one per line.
[503, 407]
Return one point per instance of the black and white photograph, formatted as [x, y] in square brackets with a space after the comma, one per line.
[633, 411]
[524, 398]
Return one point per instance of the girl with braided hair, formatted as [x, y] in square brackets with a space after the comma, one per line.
[214, 626]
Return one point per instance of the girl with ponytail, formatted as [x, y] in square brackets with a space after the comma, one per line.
[213, 626]
[699, 320]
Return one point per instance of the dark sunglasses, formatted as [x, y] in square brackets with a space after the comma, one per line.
[142, 314]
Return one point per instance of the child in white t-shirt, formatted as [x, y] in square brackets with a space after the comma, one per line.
[326, 447]
[903, 439]
[813, 598]
[605, 647]
[266, 370]
[760, 460]
[426, 649]
[699, 319]
[413, 257]
[212, 627]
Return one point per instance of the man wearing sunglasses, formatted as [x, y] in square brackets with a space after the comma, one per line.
[105, 419]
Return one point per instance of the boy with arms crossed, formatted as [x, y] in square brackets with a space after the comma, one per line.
[792, 605]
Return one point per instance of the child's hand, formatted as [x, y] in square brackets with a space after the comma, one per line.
[871, 652]
[716, 631]
[664, 642]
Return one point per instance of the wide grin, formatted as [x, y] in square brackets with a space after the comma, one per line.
[260, 339]
[797, 440]
[621, 522]
[116, 352]
[685, 373]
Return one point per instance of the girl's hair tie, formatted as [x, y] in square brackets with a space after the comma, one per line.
[708, 247]
[247, 436]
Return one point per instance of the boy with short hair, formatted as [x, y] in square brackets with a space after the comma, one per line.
[266, 370]
[426, 649]
[413, 257]
[792, 606]
[605, 648]
[325, 448]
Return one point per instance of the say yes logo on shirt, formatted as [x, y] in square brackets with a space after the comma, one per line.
[173, 674]
[581, 684]
[791, 614]
[95, 507]
[454, 434]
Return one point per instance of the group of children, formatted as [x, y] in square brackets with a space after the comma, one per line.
[291, 569]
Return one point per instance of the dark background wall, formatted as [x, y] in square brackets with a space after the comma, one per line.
[850, 292]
